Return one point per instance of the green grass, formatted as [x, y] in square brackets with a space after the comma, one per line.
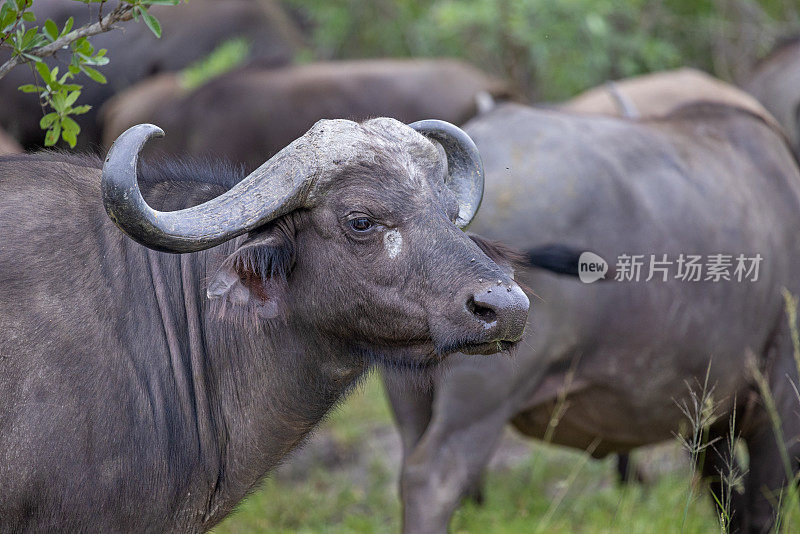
[553, 490]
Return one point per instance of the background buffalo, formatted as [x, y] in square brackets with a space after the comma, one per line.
[189, 34]
[653, 95]
[608, 366]
[8, 145]
[252, 113]
[775, 81]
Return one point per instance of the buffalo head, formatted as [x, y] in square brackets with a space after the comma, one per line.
[353, 231]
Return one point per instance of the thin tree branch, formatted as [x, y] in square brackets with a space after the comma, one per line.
[121, 13]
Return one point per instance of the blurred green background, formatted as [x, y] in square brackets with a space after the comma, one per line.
[345, 481]
[552, 49]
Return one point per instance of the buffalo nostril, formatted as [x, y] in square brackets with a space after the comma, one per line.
[504, 312]
[483, 312]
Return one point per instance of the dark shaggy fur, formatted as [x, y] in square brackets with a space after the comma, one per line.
[56, 156]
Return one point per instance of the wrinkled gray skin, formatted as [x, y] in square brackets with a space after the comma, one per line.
[775, 82]
[132, 403]
[190, 32]
[706, 180]
[251, 113]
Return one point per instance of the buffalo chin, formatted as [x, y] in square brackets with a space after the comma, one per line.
[413, 359]
[426, 357]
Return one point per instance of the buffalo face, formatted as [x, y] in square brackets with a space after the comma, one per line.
[353, 232]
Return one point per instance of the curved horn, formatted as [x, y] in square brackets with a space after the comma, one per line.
[246, 206]
[464, 165]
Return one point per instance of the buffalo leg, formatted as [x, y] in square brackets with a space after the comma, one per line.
[474, 492]
[627, 471]
[767, 478]
[773, 451]
[442, 468]
[470, 410]
[411, 405]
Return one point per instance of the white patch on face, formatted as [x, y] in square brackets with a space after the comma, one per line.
[393, 242]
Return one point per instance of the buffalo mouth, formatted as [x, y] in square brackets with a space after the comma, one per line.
[478, 347]
[491, 347]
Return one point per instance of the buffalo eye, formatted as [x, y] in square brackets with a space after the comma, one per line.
[360, 224]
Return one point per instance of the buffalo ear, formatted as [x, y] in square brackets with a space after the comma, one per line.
[254, 276]
[504, 256]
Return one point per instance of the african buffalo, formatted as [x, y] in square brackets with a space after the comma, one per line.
[775, 82]
[652, 95]
[145, 391]
[190, 32]
[248, 113]
[708, 179]
[8, 145]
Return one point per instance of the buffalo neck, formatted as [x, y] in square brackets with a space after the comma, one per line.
[249, 392]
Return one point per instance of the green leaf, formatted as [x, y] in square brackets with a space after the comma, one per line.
[51, 138]
[94, 74]
[44, 72]
[48, 120]
[83, 46]
[223, 58]
[68, 26]
[70, 137]
[99, 58]
[7, 17]
[51, 30]
[152, 23]
[30, 88]
[29, 38]
[57, 101]
[28, 16]
[80, 110]
[70, 125]
[71, 98]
